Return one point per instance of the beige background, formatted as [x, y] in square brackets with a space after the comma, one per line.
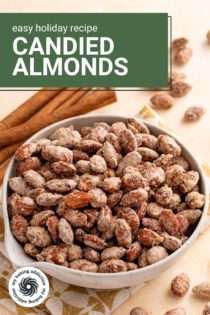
[190, 19]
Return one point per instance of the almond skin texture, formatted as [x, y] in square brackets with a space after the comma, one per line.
[180, 285]
[183, 56]
[202, 290]
[77, 199]
[149, 238]
[113, 265]
[162, 101]
[194, 113]
[180, 88]
[179, 43]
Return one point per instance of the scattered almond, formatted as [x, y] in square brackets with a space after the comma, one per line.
[180, 88]
[162, 101]
[179, 43]
[194, 113]
[202, 290]
[180, 284]
[182, 56]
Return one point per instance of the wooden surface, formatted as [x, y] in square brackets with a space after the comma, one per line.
[190, 19]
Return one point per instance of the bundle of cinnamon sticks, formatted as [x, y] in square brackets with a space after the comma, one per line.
[43, 109]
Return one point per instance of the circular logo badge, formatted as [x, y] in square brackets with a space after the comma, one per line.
[28, 286]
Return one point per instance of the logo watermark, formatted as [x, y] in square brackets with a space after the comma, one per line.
[28, 286]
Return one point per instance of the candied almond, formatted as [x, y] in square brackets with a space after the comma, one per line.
[65, 232]
[77, 199]
[180, 88]
[19, 185]
[88, 182]
[154, 175]
[163, 195]
[174, 176]
[148, 154]
[19, 227]
[113, 253]
[84, 265]
[54, 153]
[194, 113]
[41, 218]
[123, 233]
[25, 151]
[31, 250]
[168, 145]
[171, 243]
[48, 199]
[104, 219]
[195, 200]
[152, 224]
[149, 238]
[94, 242]
[130, 216]
[182, 56]
[52, 226]
[162, 101]
[98, 198]
[154, 210]
[180, 284]
[114, 198]
[190, 180]
[133, 252]
[38, 236]
[64, 168]
[131, 266]
[192, 216]
[34, 179]
[91, 254]
[179, 43]
[155, 254]
[169, 222]
[202, 290]
[24, 206]
[112, 265]
[98, 164]
[32, 163]
[128, 141]
[142, 261]
[111, 184]
[137, 126]
[134, 198]
[109, 154]
[130, 159]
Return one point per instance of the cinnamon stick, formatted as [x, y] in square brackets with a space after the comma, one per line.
[91, 101]
[29, 107]
[74, 99]
[52, 106]
[3, 170]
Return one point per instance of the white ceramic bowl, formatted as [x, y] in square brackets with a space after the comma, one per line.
[98, 280]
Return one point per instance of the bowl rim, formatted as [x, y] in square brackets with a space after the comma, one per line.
[148, 268]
